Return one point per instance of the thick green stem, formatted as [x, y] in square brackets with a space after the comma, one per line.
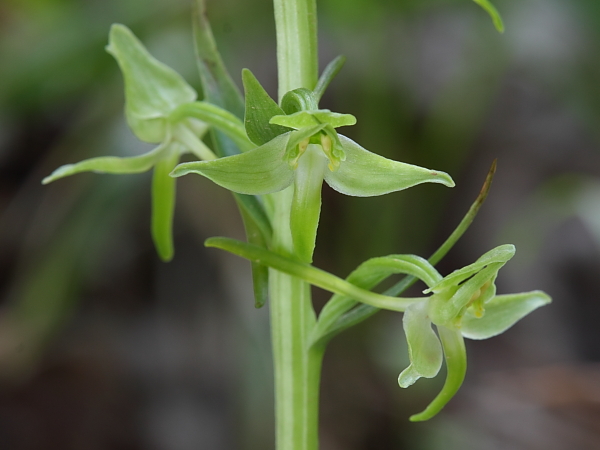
[297, 54]
[297, 366]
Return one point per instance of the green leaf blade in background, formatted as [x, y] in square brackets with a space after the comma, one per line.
[260, 108]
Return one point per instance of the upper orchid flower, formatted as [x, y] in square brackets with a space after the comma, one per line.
[298, 145]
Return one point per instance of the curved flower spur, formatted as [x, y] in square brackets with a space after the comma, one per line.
[299, 146]
[160, 108]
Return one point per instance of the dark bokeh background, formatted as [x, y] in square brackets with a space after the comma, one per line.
[104, 347]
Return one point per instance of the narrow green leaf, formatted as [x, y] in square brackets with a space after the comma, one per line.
[327, 76]
[501, 313]
[217, 84]
[259, 171]
[493, 12]
[219, 89]
[152, 89]
[254, 235]
[217, 117]
[360, 313]
[163, 206]
[424, 348]
[259, 110]
[365, 174]
[306, 202]
[456, 365]
[109, 164]
[310, 274]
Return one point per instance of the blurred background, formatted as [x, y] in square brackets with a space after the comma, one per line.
[102, 346]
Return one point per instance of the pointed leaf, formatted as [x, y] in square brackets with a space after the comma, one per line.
[152, 89]
[327, 76]
[306, 203]
[456, 365]
[109, 164]
[424, 348]
[163, 205]
[254, 235]
[493, 12]
[259, 110]
[365, 174]
[501, 313]
[217, 84]
[259, 171]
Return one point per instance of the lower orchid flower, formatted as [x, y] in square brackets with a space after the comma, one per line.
[464, 304]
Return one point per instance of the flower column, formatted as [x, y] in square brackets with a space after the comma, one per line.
[297, 368]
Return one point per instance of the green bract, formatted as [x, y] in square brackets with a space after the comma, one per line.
[493, 12]
[160, 107]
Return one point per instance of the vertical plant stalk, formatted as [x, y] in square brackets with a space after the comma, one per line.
[297, 53]
[297, 367]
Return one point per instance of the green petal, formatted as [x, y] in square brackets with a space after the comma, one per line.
[306, 203]
[365, 174]
[500, 254]
[444, 309]
[303, 119]
[163, 206]
[334, 119]
[256, 172]
[493, 12]
[260, 107]
[109, 164]
[424, 348]
[456, 365]
[501, 313]
[152, 89]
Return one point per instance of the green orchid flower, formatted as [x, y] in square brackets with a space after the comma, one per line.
[160, 108]
[299, 147]
[463, 305]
